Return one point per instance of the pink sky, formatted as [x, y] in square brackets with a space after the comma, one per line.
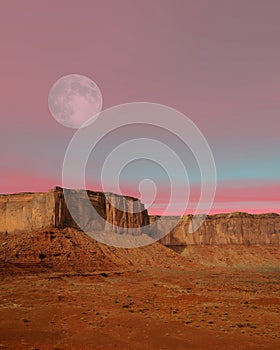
[216, 61]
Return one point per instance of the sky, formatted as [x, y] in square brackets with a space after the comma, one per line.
[215, 61]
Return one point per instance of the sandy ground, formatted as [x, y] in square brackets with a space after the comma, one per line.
[150, 308]
[62, 290]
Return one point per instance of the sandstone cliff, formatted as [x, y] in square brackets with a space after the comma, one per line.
[29, 211]
[26, 211]
[115, 213]
[232, 228]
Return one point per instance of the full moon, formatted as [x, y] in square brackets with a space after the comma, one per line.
[73, 100]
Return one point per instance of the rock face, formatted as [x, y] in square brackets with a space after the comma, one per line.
[29, 211]
[24, 212]
[220, 229]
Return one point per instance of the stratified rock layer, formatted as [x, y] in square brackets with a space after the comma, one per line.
[27, 211]
[108, 212]
[232, 228]
[93, 211]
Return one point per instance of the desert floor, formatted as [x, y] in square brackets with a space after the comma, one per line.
[147, 308]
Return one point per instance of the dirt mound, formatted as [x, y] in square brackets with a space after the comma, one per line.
[234, 255]
[72, 250]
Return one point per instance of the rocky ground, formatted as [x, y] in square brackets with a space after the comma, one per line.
[99, 297]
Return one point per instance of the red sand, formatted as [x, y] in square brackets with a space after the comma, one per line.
[145, 298]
